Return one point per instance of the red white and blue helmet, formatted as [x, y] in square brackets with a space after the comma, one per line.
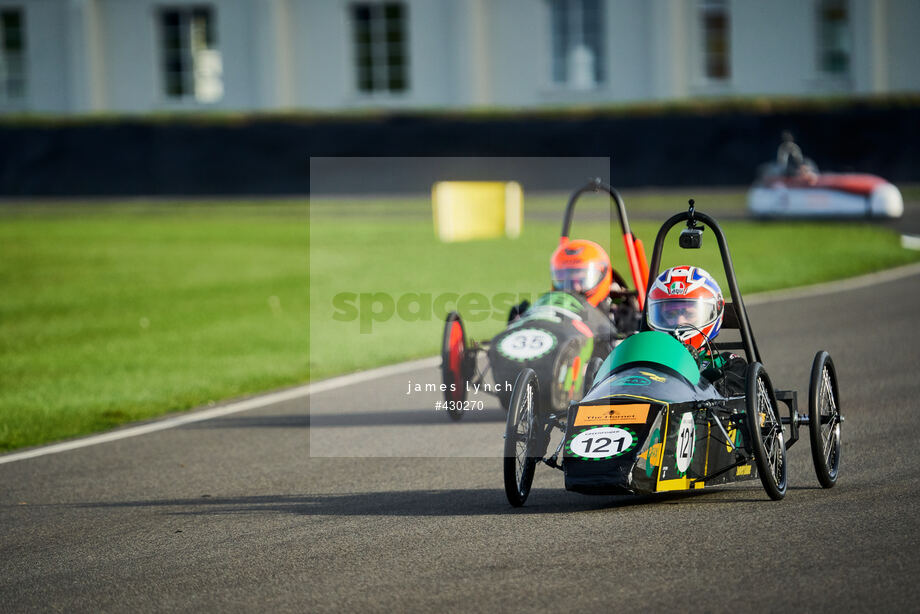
[687, 302]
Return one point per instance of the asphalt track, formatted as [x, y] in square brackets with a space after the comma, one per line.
[234, 513]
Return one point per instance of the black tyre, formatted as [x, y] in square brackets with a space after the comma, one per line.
[824, 419]
[594, 366]
[766, 431]
[521, 437]
[455, 362]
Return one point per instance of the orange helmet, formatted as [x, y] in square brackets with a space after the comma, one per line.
[582, 267]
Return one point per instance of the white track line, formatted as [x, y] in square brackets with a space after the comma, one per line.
[424, 363]
[832, 287]
[225, 410]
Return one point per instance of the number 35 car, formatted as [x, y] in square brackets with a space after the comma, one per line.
[566, 334]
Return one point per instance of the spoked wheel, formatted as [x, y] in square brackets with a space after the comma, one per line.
[766, 431]
[824, 419]
[522, 432]
[454, 365]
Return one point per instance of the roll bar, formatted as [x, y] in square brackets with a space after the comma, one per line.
[635, 251]
[692, 217]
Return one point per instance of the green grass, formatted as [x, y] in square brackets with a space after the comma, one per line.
[118, 312]
[639, 203]
[112, 314]
[399, 257]
[642, 203]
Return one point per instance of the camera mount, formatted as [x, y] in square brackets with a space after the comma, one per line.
[692, 236]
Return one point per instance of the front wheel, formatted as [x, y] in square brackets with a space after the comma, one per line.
[824, 419]
[521, 437]
[766, 431]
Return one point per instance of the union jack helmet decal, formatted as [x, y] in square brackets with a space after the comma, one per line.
[687, 302]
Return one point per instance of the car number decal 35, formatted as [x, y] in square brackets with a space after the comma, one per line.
[527, 344]
[602, 442]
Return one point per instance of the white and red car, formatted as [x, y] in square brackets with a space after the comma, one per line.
[793, 187]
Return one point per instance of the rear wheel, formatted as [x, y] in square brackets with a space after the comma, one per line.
[521, 435]
[455, 361]
[824, 419]
[766, 431]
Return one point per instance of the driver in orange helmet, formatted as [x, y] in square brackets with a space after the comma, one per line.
[582, 267]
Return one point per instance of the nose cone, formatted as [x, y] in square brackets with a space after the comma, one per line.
[886, 201]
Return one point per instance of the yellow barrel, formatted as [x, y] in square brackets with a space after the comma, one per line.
[466, 210]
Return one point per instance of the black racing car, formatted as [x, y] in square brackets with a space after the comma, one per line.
[561, 336]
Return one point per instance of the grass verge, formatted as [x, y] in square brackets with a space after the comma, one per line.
[120, 312]
[111, 314]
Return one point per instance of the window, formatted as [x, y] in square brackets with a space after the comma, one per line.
[380, 36]
[716, 54]
[12, 55]
[192, 68]
[577, 43]
[833, 37]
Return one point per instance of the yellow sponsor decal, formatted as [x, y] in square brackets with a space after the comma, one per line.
[652, 456]
[593, 415]
[654, 377]
[743, 470]
[675, 484]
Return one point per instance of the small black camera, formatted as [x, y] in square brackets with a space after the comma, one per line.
[691, 238]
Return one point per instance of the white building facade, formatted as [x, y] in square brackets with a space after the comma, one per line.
[142, 56]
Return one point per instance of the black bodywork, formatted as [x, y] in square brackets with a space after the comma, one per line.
[652, 423]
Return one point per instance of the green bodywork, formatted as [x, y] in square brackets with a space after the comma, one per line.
[652, 346]
[563, 300]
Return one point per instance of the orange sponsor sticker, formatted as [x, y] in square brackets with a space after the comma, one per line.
[591, 415]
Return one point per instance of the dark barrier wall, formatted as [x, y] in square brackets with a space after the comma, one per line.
[263, 155]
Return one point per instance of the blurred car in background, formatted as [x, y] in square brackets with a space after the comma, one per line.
[792, 186]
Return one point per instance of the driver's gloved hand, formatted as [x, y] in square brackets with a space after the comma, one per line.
[728, 375]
